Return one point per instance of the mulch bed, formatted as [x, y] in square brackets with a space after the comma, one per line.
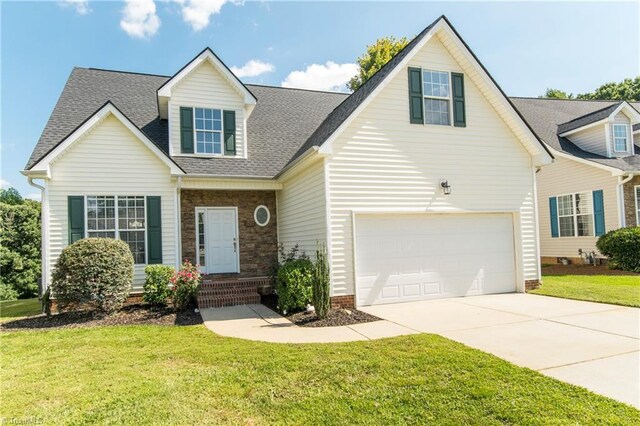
[582, 270]
[336, 317]
[136, 314]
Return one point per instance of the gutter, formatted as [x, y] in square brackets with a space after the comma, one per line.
[298, 160]
[620, 193]
[44, 230]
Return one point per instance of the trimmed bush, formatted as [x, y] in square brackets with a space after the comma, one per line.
[186, 283]
[321, 283]
[7, 292]
[156, 285]
[622, 248]
[97, 272]
[294, 284]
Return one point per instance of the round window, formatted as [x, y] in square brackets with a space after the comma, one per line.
[262, 215]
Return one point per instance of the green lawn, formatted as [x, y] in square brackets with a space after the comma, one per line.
[619, 290]
[19, 308]
[188, 375]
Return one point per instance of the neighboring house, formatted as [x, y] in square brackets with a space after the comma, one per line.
[594, 184]
[421, 183]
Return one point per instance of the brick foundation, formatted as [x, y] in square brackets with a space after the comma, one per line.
[630, 201]
[554, 260]
[343, 302]
[258, 245]
[531, 284]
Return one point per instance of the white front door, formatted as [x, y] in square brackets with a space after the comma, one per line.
[221, 240]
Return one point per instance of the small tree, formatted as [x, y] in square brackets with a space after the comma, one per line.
[375, 57]
[156, 284]
[97, 272]
[321, 283]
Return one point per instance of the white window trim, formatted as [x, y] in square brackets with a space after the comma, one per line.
[637, 197]
[626, 137]
[441, 98]
[255, 215]
[575, 215]
[117, 229]
[195, 137]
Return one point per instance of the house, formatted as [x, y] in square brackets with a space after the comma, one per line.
[594, 184]
[421, 183]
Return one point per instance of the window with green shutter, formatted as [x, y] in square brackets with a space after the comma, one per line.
[186, 130]
[229, 133]
[75, 206]
[416, 114]
[154, 230]
[459, 113]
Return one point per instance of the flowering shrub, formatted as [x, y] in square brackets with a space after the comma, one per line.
[185, 285]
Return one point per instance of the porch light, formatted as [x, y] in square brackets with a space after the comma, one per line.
[446, 188]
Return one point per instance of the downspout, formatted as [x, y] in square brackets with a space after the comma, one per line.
[620, 188]
[44, 230]
[178, 229]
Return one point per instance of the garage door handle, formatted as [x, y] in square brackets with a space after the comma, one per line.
[234, 245]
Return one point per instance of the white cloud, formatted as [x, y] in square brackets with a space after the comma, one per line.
[253, 68]
[5, 183]
[81, 6]
[330, 76]
[34, 196]
[198, 13]
[139, 18]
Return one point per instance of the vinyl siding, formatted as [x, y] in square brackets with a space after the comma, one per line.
[383, 163]
[621, 118]
[591, 140]
[302, 210]
[566, 176]
[205, 87]
[109, 160]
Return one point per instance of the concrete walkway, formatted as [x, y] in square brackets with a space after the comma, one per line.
[257, 322]
[593, 345]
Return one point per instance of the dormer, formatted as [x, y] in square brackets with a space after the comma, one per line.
[607, 132]
[207, 107]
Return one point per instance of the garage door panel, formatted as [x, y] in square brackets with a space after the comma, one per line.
[414, 257]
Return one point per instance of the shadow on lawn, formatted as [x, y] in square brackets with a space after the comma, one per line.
[557, 269]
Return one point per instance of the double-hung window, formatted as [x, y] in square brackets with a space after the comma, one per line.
[437, 97]
[208, 128]
[575, 215]
[121, 217]
[620, 138]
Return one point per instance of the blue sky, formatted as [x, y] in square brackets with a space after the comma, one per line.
[526, 46]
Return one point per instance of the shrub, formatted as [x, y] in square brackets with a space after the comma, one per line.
[321, 283]
[185, 285]
[7, 292]
[93, 271]
[622, 247]
[294, 281]
[156, 285]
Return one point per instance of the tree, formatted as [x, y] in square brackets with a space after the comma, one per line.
[10, 196]
[20, 240]
[627, 90]
[375, 57]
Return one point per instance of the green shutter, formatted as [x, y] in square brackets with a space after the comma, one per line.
[416, 104]
[154, 231]
[598, 212]
[75, 206]
[553, 213]
[186, 130]
[229, 133]
[459, 114]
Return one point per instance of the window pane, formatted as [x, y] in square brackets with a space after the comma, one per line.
[435, 83]
[217, 125]
[135, 240]
[620, 144]
[619, 131]
[216, 114]
[585, 225]
[436, 111]
[201, 245]
[567, 227]
[565, 205]
[130, 216]
[103, 234]
[199, 113]
[101, 213]
[583, 203]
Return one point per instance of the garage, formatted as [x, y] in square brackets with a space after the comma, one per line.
[403, 258]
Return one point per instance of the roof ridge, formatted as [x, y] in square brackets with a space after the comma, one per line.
[298, 88]
[538, 98]
[615, 105]
[123, 72]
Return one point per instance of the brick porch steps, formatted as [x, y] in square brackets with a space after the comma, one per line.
[217, 293]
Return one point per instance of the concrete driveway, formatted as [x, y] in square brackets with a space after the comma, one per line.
[593, 345]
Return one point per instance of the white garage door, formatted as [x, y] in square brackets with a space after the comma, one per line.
[402, 258]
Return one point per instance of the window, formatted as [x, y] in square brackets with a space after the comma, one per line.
[262, 215]
[208, 127]
[638, 205]
[575, 215]
[126, 222]
[201, 244]
[620, 138]
[436, 92]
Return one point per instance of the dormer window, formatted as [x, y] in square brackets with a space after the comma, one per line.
[208, 127]
[620, 138]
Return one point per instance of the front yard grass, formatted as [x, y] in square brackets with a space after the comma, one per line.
[617, 290]
[11, 309]
[188, 375]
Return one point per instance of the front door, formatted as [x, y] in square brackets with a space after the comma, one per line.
[221, 240]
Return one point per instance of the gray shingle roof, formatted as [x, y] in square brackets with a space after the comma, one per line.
[546, 115]
[283, 118]
[584, 120]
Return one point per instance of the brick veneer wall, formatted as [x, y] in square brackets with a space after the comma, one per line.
[343, 302]
[258, 244]
[630, 201]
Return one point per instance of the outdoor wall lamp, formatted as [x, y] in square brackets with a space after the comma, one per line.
[446, 188]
